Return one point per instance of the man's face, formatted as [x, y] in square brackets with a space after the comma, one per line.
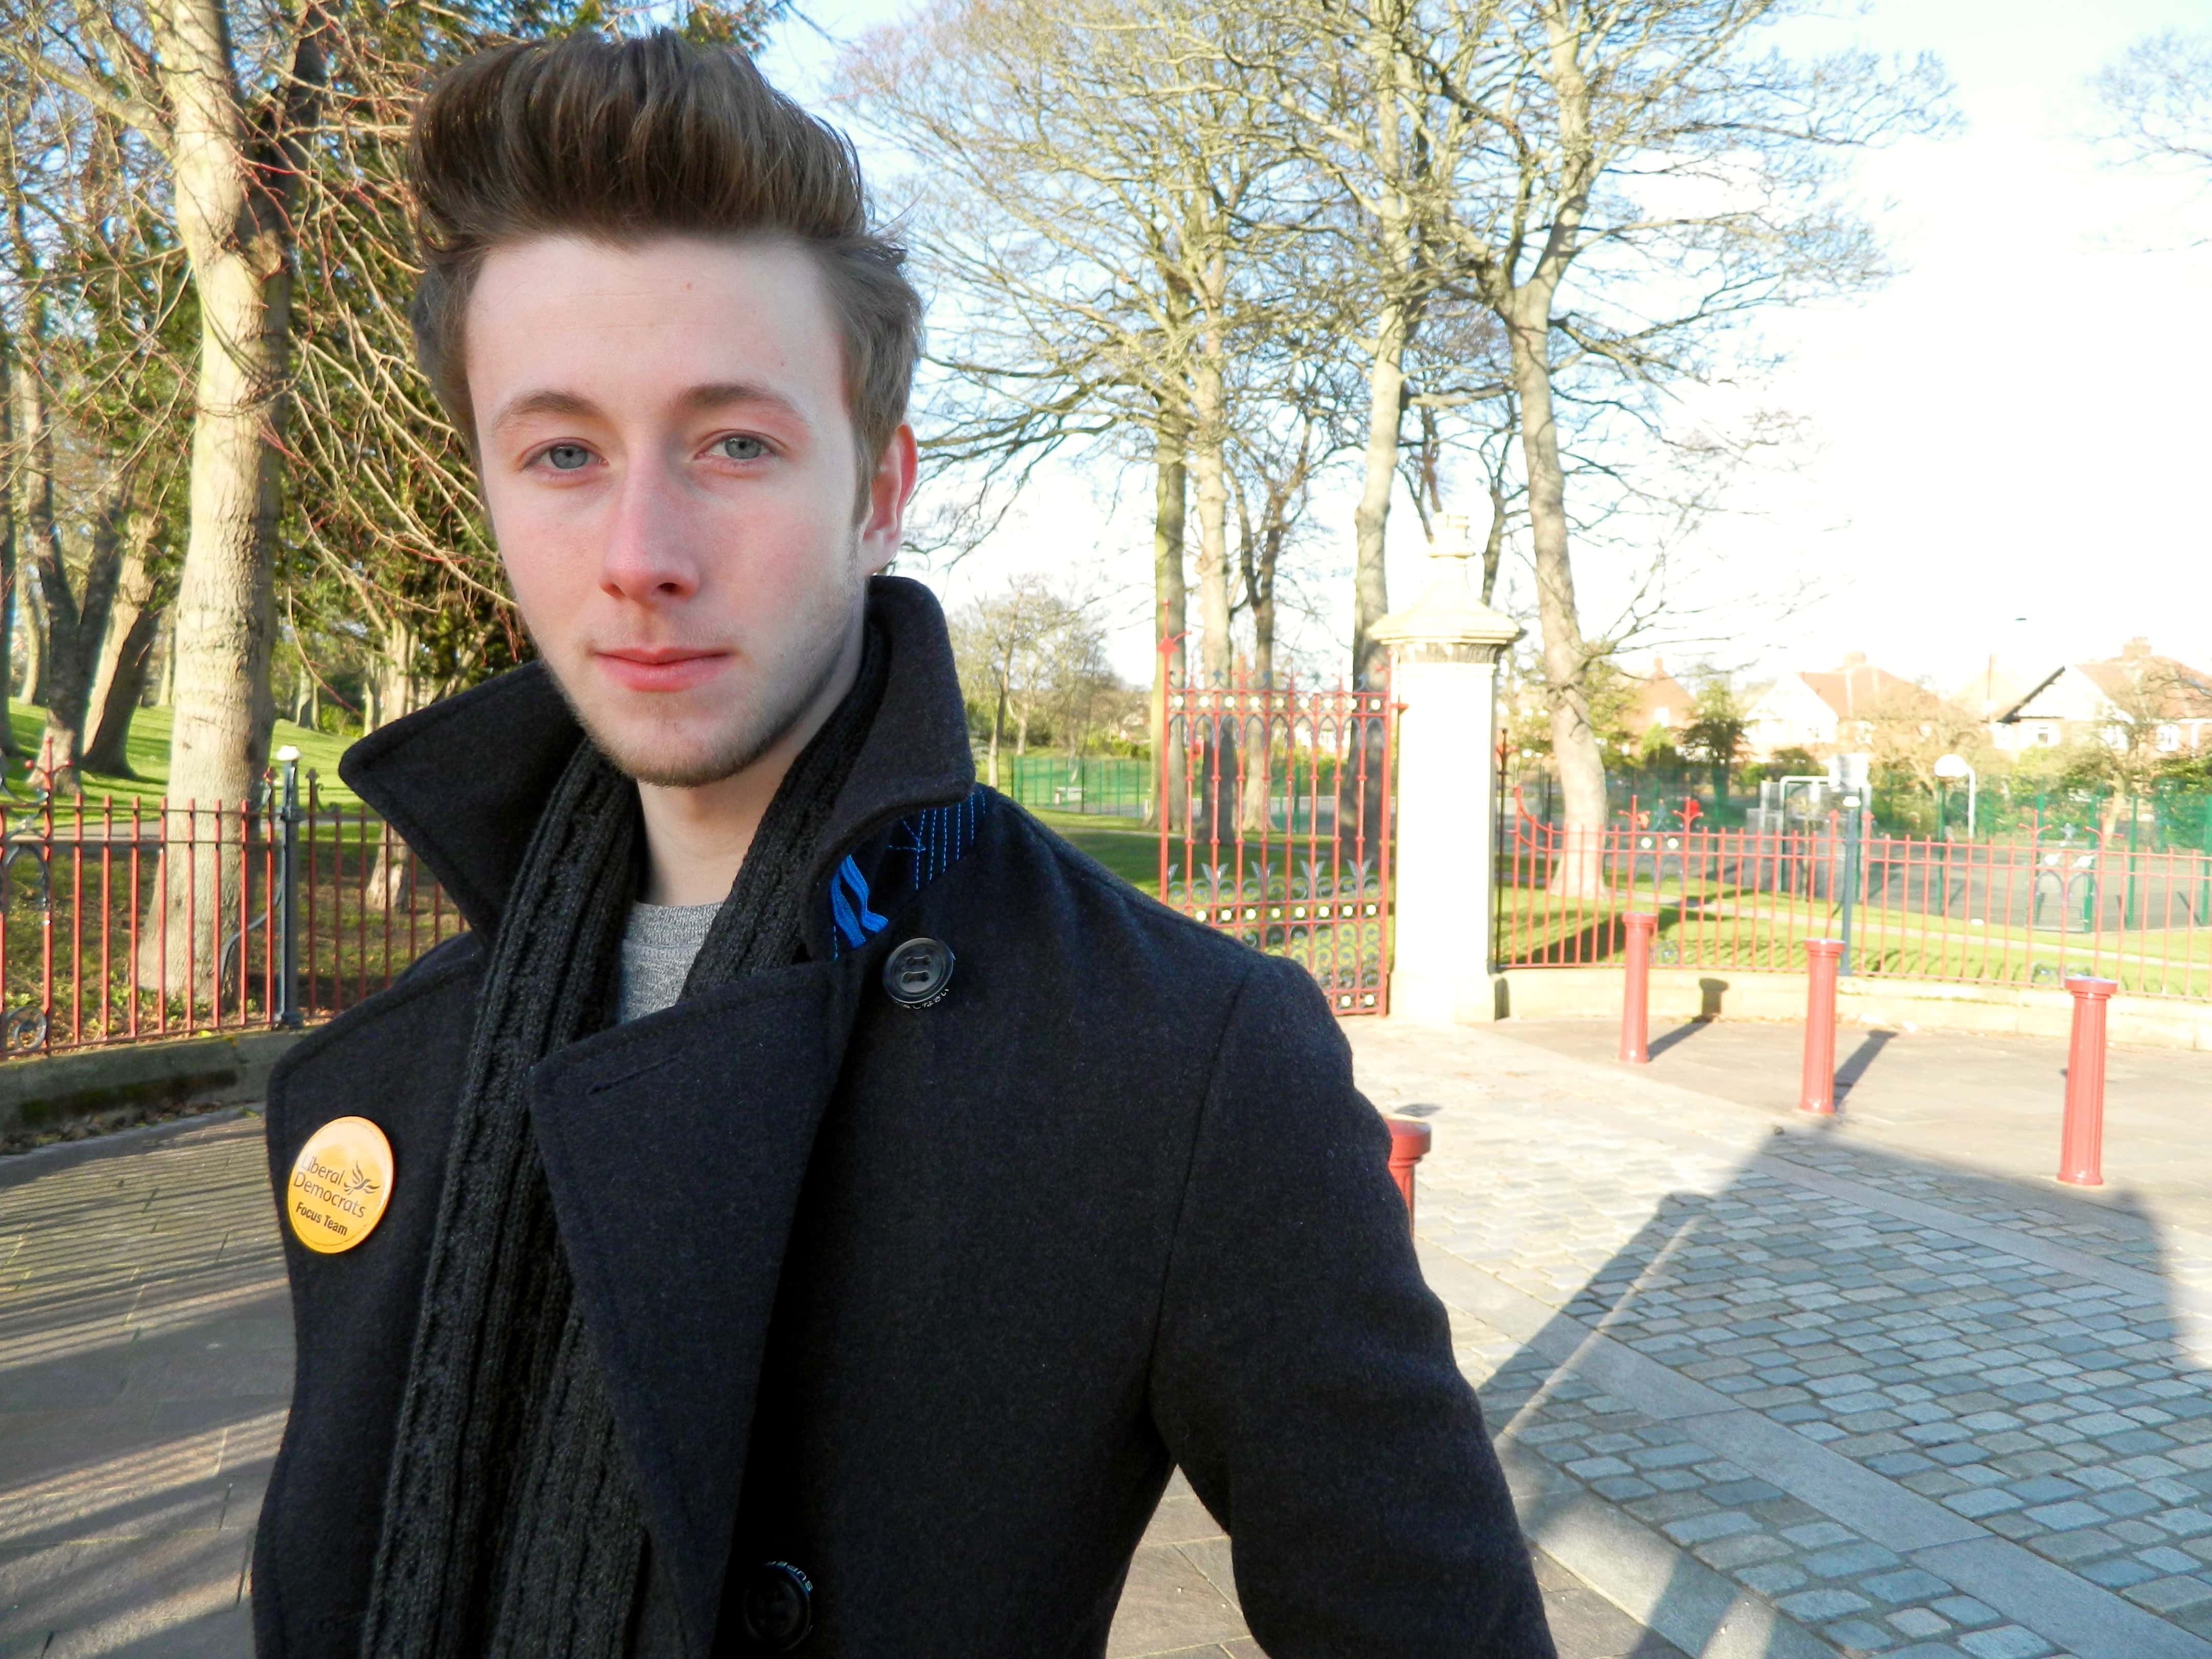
[670, 470]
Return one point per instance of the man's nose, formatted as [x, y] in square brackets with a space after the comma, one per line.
[648, 557]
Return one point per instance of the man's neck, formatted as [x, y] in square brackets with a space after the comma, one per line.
[696, 838]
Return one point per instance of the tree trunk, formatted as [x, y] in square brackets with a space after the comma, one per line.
[54, 618]
[395, 671]
[1171, 491]
[388, 887]
[1493, 544]
[1261, 556]
[1209, 473]
[1580, 872]
[126, 650]
[1218, 735]
[108, 752]
[31, 613]
[75, 623]
[232, 218]
[1370, 519]
[7, 552]
[998, 726]
[1206, 468]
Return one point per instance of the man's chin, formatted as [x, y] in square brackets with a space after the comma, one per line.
[654, 759]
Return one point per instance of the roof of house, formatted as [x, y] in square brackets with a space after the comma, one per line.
[2137, 682]
[1993, 690]
[1858, 689]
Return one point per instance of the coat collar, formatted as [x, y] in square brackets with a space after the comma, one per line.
[463, 781]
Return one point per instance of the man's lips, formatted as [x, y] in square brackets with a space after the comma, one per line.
[661, 668]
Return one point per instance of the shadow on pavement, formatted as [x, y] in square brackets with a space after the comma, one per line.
[1860, 1060]
[1666, 1040]
[1907, 1405]
[145, 1360]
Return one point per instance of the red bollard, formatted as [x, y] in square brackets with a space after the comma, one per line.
[2081, 1143]
[1409, 1144]
[1817, 1091]
[1636, 999]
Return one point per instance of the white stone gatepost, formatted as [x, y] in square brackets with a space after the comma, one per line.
[1443, 652]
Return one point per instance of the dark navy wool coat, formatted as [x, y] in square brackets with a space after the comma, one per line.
[924, 1302]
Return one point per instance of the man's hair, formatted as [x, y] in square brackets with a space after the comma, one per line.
[625, 140]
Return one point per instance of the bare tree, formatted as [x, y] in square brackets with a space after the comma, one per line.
[95, 289]
[2155, 100]
[1384, 158]
[1022, 652]
[1098, 211]
[1685, 177]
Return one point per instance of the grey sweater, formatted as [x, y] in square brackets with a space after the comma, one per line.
[656, 949]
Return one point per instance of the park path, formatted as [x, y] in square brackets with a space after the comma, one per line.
[1785, 1388]
[145, 1362]
[1775, 1389]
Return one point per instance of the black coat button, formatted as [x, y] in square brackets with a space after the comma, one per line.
[917, 972]
[778, 1608]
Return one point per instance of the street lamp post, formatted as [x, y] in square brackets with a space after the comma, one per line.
[1955, 766]
[1853, 775]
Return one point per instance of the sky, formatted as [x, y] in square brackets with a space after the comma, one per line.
[2006, 448]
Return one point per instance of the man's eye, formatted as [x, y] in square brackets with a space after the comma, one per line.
[740, 449]
[567, 458]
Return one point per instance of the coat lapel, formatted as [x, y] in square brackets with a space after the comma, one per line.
[675, 1148]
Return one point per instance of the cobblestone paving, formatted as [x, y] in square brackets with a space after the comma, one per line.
[2046, 1407]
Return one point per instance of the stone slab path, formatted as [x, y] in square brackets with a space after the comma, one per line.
[145, 1362]
[1783, 1387]
[1993, 1104]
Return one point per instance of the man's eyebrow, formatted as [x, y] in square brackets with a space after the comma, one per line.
[698, 399]
[545, 401]
[721, 394]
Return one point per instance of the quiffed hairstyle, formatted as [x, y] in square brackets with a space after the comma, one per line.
[625, 140]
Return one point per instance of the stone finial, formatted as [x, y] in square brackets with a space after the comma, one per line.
[1449, 623]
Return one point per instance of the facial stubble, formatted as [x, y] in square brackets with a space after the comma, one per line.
[771, 719]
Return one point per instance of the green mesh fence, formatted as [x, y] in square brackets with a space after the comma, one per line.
[1105, 785]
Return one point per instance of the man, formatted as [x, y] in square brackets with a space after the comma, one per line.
[814, 1208]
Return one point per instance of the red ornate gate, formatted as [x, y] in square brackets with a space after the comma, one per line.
[1275, 826]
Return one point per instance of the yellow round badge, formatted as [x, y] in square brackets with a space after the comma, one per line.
[340, 1182]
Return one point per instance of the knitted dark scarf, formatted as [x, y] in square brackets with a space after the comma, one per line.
[511, 1520]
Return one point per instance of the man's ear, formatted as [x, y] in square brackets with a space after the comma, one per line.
[889, 489]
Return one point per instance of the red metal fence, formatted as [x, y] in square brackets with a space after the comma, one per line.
[127, 921]
[1275, 826]
[2030, 912]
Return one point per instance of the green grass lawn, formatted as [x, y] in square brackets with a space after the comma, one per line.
[1725, 927]
[149, 750]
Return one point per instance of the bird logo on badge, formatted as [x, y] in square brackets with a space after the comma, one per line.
[341, 1183]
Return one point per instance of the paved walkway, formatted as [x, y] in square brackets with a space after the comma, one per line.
[1772, 1389]
[145, 1361]
[1786, 1389]
[1991, 1102]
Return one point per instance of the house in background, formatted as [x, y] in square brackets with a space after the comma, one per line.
[1992, 689]
[1661, 702]
[2100, 702]
[1825, 713]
